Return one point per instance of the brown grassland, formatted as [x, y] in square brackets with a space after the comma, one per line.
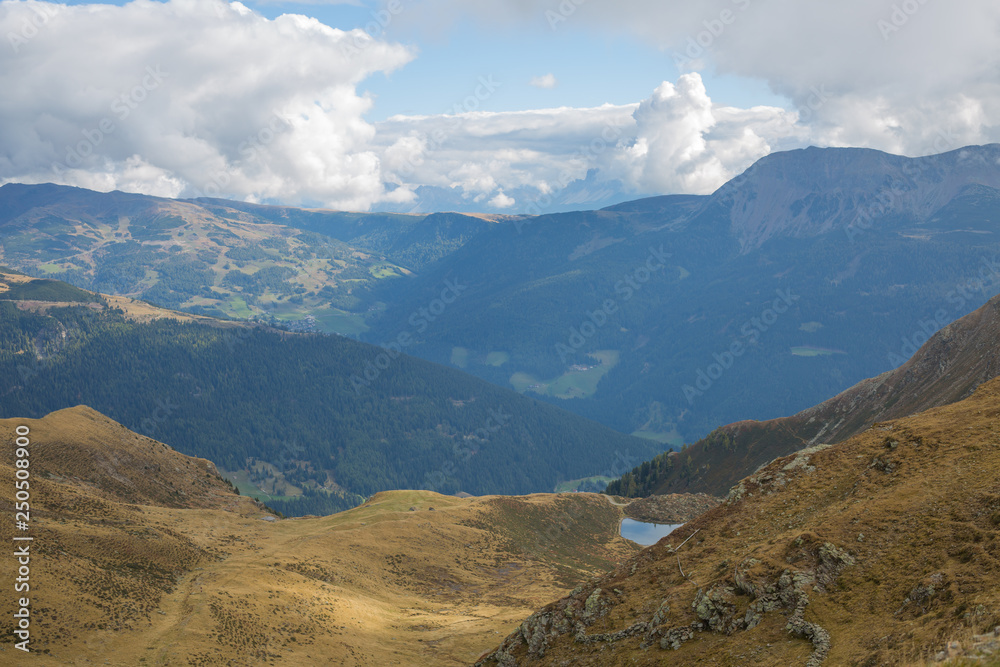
[143, 556]
[881, 550]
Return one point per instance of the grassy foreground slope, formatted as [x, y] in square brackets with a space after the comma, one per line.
[145, 556]
[881, 550]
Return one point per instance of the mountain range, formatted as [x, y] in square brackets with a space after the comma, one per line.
[811, 271]
[216, 257]
[672, 302]
[860, 531]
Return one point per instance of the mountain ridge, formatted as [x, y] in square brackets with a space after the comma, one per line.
[791, 222]
[877, 550]
[811, 191]
[947, 368]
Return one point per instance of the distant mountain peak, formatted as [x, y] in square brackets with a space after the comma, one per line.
[812, 191]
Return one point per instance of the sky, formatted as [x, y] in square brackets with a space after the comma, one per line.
[493, 105]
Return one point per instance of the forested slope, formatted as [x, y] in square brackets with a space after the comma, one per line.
[290, 405]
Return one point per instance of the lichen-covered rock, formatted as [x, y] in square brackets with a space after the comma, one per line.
[535, 632]
[832, 561]
[675, 637]
[594, 607]
[820, 638]
[716, 608]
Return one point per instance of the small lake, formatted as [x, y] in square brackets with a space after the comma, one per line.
[644, 533]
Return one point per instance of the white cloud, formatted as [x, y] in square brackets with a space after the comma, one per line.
[502, 201]
[906, 77]
[546, 81]
[187, 97]
[480, 153]
[685, 143]
[677, 140]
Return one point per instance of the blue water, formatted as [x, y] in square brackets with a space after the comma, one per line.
[644, 533]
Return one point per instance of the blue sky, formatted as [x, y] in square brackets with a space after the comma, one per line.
[592, 67]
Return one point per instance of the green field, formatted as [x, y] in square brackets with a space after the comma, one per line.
[497, 358]
[575, 484]
[239, 307]
[339, 321]
[384, 270]
[573, 383]
[460, 357]
[285, 312]
[666, 438]
[808, 351]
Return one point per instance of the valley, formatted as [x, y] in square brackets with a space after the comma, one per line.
[281, 412]
[659, 289]
[949, 367]
[277, 489]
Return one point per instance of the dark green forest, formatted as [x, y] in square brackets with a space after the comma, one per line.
[234, 393]
[644, 479]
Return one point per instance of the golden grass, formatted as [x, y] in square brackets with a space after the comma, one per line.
[135, 310]
[914, 502]
[145, 557]
[8, 279]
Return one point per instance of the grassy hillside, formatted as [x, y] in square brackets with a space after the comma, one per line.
[185, 255]
[145, 556]
[881, 550]
[289, 410]
[412, 240]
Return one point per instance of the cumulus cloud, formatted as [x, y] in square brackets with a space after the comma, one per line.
[685, 143]
[907, 76]
[677, 140]
[502, 201]
[546, 81]
[189, 97]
